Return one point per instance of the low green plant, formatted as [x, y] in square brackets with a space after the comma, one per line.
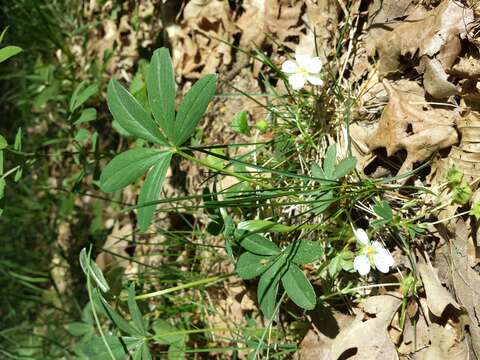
[169, 131]
[273, 265]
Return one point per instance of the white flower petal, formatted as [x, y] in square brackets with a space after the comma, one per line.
[303, 60]
[361, 236]
[361, 264]
[297, 81]
[289, 67]
[314, 65]
[377, 245]
[314, 80]
[383, 260]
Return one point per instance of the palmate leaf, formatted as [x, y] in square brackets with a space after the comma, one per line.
[125, 168]
[161, 91]
[298, 288]
[193, 107]
[151, 190]
[131, 116]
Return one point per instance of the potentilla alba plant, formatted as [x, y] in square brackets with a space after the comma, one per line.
[305, 69]
[371, 254]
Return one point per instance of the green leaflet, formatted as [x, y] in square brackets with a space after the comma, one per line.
[86, 115]
[125, 168]
[299, 288]
[142, 353]
[263, 226]
[131, 116]
[82, 94]
[267, 289]
[161, 91]
[151, 190]
[193, 107]
[9, 51]
[90, 268]
[260, 245]
[96, 349]
[344, 167]
[135, 311]
[250, 266]
[329, 161]
[3, 143]
[167, 334]
[304, 251]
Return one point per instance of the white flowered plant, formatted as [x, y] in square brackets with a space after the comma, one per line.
[371, 254]
[304, 69]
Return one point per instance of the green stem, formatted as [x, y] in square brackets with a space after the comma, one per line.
[221, 170]
[208, 281]
[97, 321]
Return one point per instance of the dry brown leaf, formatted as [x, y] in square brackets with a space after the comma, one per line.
[466, 282]
[277, 18]
[321, 19]
[415, 336]
[438, 297]
[370, 337]
[436, 40]
[196, 49]
[326, 325]
[409, 123]
[467, 67]
[383, 18]
[444, 345]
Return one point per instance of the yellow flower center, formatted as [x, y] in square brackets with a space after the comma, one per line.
[370, 251]
[302, 70]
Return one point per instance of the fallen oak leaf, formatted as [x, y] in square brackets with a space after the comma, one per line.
[435, 40]
[438, 297]
[444, 345]
[370, 337]
[409, 123]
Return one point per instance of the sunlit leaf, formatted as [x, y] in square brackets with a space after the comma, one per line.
[125, 168]
[161, 91]
[193, 107]
[131, 116]
[298, 288]
[250, 266]
[259, 245]
[151, 190]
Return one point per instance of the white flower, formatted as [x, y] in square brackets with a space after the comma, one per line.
[371, 253]
[304, 69]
